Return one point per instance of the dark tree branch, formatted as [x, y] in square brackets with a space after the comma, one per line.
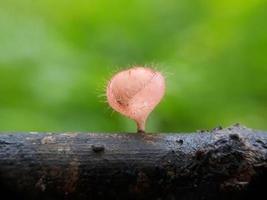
[226, 163]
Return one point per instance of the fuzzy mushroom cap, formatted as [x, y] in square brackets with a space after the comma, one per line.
[135, 92]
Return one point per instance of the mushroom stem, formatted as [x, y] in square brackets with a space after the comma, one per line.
[141, 126]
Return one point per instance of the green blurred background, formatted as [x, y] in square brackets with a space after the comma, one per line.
[56, 57]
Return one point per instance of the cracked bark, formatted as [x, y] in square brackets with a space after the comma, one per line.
[226, 163]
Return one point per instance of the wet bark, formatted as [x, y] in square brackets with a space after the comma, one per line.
[226, 163]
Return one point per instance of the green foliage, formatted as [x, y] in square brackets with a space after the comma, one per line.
[55, 58]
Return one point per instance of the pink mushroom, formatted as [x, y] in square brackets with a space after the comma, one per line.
[135, 92]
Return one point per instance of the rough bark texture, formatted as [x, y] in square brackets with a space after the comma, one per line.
[226, 163]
